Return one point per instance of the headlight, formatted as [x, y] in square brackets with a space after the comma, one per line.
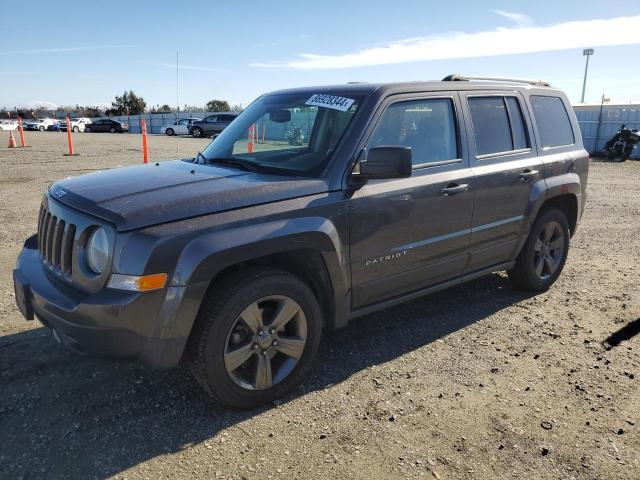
[98, 250]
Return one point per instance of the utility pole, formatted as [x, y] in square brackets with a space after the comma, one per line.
[587, 52]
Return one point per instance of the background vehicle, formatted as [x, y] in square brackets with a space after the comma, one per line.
[8, 125]
[41, 124]
[77, 124]
[106, 125]
[211, 125]
[179, 127]
[54, 127]
[239, 257]
[621, 145]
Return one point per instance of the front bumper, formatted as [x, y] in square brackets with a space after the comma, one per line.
[151, 327]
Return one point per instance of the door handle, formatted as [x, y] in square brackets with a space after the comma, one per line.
[454, 188]
[527, 175]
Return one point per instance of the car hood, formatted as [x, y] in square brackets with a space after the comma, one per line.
[145, 195]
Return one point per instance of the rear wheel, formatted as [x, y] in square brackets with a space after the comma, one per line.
[112, 129]
[76, 129]
[255, 337]
[41, 129]
[87, 129]
[544, 253]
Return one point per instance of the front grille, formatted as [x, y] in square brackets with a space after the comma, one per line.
[55, 242]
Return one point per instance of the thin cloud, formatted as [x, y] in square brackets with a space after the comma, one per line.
[186, 67]
[519, 18]
[503, 41]
[63, 49]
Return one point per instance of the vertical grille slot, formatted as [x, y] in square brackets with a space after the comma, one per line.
[41, 214]
[67, 249]
[57, 243]
[50, 230]
[45, 230]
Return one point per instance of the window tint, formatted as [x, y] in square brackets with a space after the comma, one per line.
[552, 120]
[427, 126]
[520, 140]
[210, 119]
[490, 125]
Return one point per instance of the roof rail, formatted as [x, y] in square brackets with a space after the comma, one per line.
[464, 78]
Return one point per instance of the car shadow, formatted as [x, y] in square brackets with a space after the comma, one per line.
[65, 415]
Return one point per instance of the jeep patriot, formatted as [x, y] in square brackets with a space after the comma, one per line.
[236, 260]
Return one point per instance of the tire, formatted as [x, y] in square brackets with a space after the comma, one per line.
[87, 129]
[41, 129]
[112, 129]
[170, 132]
[237, 381]
[549, 237]
[76, 129]
[196, 132]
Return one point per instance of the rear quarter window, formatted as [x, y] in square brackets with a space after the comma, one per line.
[552, 120]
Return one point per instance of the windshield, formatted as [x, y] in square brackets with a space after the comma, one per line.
[292, 134]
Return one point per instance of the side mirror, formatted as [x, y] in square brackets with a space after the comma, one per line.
[386, 162]
[280, 116]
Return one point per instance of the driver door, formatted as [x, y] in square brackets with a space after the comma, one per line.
[412, 233]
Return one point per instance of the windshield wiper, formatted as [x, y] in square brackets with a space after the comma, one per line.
[236, 162]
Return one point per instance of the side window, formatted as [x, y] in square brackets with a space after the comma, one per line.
[183, 122]
[490, 125]
[427, 126]
[552, 120]
[211, 119]
[518, 130]
[498, 125]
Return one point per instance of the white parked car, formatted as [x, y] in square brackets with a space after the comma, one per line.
[181, 127]
[77, 124]
[8, 125]
[40, 124]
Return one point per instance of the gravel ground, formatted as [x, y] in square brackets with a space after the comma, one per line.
[480, 381]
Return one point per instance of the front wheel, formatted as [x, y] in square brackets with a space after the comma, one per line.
[544, 253]
[76, 129]
[41, 129]
[170, 132]
[196, 132]
[255, 337]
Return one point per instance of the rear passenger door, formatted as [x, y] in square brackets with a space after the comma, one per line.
[507, 170]
[411, 233]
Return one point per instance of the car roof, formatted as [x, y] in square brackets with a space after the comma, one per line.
[364, 88]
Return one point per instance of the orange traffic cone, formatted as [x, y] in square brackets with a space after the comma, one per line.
[12, 141]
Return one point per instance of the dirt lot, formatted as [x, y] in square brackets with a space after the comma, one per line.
[477, 382]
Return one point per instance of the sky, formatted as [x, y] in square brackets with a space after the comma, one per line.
[89, 52]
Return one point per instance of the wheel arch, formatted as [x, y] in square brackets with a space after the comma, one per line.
[309, 248]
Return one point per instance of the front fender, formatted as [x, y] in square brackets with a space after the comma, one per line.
[205, 256]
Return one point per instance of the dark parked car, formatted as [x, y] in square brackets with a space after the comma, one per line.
[106, 125]
[238, 258]
[211, 125]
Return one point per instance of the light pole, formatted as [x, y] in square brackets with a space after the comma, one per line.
[587, 52]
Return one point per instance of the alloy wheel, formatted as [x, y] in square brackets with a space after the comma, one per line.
[548, 250]
[265, 342]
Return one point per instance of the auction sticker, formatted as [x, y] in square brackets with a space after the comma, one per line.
[330, 101]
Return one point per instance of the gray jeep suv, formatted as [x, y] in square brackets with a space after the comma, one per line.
[236, 259]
